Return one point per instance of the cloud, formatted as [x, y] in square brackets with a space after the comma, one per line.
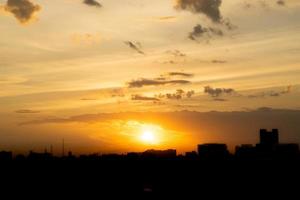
[88, 99]
[153, 82]
[287, 90]
[92, 3]
[182, 74]
[208, 32]
[179, 94]
[263, 4]
[176, 53]
[216, 92]
[219, 61]
[281, 2]
[143, 98]
[135, 46]
[190, 93]
[118, 93]
[23, 10]
[220, 99]
[210, 8]
[27, 111]
[167, 18]
[85, 38]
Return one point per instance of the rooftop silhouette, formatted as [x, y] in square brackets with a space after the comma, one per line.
[264, 169]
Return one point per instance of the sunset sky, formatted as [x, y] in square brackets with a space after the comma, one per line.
[129, 75]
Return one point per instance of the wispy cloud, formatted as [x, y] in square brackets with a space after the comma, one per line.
[181, 74]
[154, 82]
[219, 61]
[287, 90]
[164, 18]
[27, 111]
[176, 53]
[135, 46]
[143, 98]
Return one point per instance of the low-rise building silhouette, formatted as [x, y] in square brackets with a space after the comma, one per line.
[166, 154]
[6, 156]
[245, 151]
[213, 151]
[191, 155]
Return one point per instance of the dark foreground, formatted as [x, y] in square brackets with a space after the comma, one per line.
[192, 179]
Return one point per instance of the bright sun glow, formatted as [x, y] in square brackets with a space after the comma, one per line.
[148, 136]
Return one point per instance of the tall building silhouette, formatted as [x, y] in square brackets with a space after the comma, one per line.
[269, 138]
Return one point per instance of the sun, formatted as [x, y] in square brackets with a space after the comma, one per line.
[148, 136]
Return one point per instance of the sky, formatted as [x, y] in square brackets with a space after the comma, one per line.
[103, 74]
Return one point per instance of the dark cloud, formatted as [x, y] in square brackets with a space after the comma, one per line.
[281, 2]
[219, 61]
[135, 46]
[217, 92]
[210, 8]
[208, 32]
[27, 111]
[143, 98]
[153, 82]
[92, 3]
[23, 10]
[179, 94]
[182, 74]
[198, 31]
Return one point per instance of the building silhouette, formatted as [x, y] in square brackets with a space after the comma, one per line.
[6, 156]
[213, 151]
[268, 148]
[269, 138]
[166, 154]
